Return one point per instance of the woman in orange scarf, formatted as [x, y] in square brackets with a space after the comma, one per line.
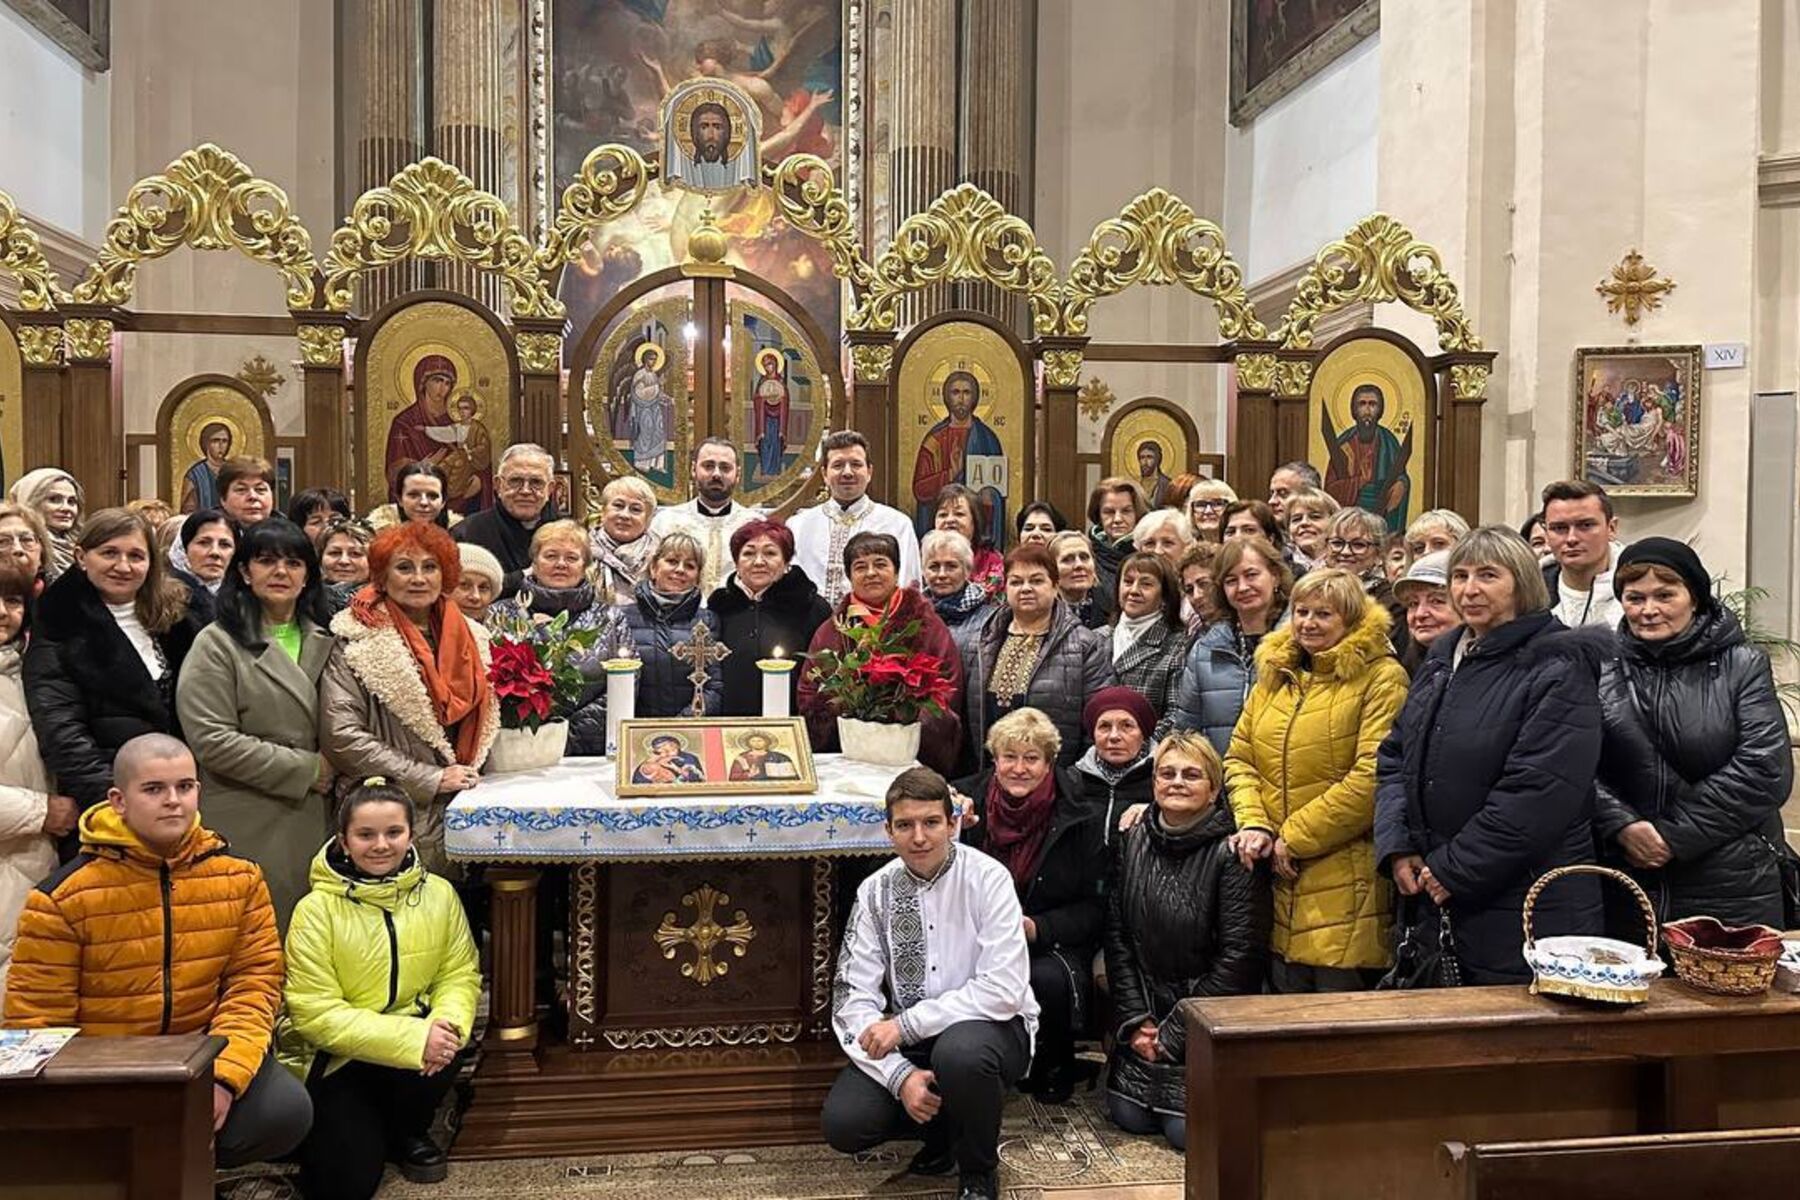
[406, 692]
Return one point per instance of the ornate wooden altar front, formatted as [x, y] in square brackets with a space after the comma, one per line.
[702, 938]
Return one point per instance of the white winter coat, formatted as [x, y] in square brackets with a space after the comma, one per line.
[27, 854]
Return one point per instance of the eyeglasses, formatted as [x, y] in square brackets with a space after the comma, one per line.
[524, 483]
[1212, 505]
[1339, 545]
[18, 541]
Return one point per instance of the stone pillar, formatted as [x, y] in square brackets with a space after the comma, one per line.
[998, 90]
[383, 45]
[466, 117]
[923, 127]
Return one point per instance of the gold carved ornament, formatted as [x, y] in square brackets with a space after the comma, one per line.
[705, 935]
[431, 210]
[41, 345]
[1378, 260]
[690, 1037]
[1634, 288]
[322, 345]
[540, 353]
[209, 200]
[872, 363]
[22, 256]
[1468, 381]
[89, 339]
[1157, 239]
[1267, 373]
[1095, 398]
[808, 198]
[611, 183]
[964, 234]
[823, 871]
[1062, 368]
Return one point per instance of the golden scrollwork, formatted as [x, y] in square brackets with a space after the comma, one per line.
[1157, 239]
[872, 363]
[705, 935]
[88, 339]
[1468, 381]
[540, 352]
[611, 183]
[41, 345]
[760, 1033]
[1062, 368]
[1379, 260]
[207, 199]
[964, 234]
[808, 198]
[583, 922]
[1293, 376]
[22, 256]
[1095, 398]
[431, 210]
[322, 345]
[823, 871]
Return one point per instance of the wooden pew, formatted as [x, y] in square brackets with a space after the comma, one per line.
[112, 1118]
[1728, 1163]
[1300, 1097]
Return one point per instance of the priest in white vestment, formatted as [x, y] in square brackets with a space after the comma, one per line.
[712, 516]
[821, 532]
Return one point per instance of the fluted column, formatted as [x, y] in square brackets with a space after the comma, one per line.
[467, 81]
[924, 126]
[384, 39]
[998, 89]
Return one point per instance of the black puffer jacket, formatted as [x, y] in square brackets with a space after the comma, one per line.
[1696, 744]
[1063, 897]
[87, 689]
[1111, 799]
[1183, 918]
[784, 617]
[1073, 663]
[1489, 774]
[664, 689]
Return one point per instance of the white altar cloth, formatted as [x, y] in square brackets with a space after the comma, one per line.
[569, 813]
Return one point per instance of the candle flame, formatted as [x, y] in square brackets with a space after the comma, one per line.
[779, 653]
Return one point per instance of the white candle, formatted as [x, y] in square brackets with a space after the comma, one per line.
[621, 697]
[775, 672]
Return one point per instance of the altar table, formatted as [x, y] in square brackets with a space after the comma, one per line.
[702, 941]
[1351, 1095]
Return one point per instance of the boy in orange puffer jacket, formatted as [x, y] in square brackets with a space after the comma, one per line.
[157, 928]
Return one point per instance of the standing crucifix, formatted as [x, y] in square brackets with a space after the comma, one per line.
[701, 650]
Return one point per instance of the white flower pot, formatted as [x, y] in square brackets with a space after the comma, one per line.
[879, 742]
[527, 749]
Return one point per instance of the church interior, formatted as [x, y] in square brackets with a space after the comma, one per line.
[1447, 251]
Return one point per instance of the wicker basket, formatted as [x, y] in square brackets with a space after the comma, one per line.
[1592, 968]
[1723, 959]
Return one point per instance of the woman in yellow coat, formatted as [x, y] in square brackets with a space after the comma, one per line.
[1301, 773]
[382, 984]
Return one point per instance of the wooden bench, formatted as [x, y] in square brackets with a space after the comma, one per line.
[1304, 1096]
[112, 1118]
[1729, 1163]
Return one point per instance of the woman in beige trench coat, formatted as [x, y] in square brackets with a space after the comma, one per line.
[248, 698]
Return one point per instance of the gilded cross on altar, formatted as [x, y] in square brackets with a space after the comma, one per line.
[702, 651]
[705, 935]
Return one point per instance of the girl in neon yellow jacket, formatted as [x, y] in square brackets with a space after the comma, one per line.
[382, 984]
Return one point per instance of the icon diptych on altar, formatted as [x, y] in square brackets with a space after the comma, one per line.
[714, 756]
[962, 420]
[1369, 429]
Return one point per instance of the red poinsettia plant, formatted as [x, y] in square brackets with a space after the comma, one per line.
[880, 677]
[535, 668]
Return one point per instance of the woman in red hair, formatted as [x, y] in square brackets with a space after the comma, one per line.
[405, 695]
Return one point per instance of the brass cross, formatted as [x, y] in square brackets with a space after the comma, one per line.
[1634, 287]
[705, 934]
[701, 650]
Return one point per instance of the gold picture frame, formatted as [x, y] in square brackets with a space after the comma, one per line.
[714, 756]
[1637, 419]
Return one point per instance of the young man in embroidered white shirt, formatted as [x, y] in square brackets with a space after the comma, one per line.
[822, 531]
[935, 1042]
[712, 516]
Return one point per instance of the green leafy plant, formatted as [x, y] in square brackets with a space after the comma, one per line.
[880, 677]
[535, 666]
[1780, 650]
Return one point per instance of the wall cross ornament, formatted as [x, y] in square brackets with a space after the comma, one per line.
[701, 651]
[705, 935]
[1634, 288]
[1095, 398]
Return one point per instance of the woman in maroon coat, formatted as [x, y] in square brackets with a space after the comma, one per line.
[871, 563]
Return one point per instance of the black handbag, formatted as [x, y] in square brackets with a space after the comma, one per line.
[1788, 864]
[1424, 948]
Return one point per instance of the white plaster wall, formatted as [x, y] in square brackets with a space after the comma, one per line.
[53, 131]
[1303, 171]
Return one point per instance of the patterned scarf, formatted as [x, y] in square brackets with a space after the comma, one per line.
[1018, 825]
[625, 563]
[960, 606]
[1093, 764]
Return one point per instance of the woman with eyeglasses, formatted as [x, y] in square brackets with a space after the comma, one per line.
[1354, 545]
[22, 540]
[249, 704]
[1206, 504]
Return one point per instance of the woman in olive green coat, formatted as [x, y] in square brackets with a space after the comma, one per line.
[248, 699]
